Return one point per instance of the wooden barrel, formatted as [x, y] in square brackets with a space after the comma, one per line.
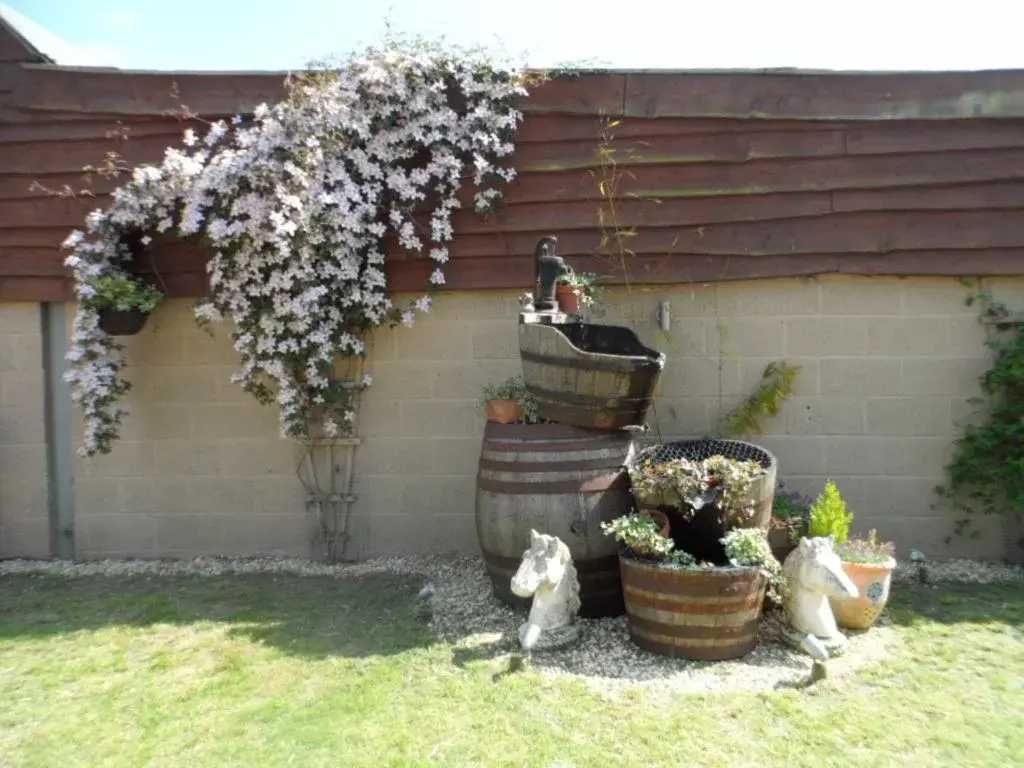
[562, 481]
[704, 614]
[590, 376]
[699, 533]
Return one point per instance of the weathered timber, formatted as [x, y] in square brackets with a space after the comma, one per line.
[826, 96]
[560, 481]
[592, 376]
[700, 614]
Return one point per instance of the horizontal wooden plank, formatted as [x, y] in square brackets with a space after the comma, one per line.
[933, 136]
[71, 156]
[826, 96]
[950, 198]
[60, 131]
[67, 89]
[541, 127]
[694, 148]
[777, 175]
[838, 233]
[560, 217]
[35, 289]
[517, 272]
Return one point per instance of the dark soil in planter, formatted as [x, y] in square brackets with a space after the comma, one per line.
[122, 322]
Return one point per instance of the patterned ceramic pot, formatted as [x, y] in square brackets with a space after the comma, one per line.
[872, 581]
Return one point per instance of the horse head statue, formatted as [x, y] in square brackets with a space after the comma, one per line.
[813, 573]
[546, 573]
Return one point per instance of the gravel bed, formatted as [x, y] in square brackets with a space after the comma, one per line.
[479, 628]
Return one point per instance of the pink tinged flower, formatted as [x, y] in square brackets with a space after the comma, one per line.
[146, 240]
[189, 138]
[367, 380]
[437, 277]
[72, 240]
[408, 318]
[423, 303]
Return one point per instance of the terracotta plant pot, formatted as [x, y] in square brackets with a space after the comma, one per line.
[122, 322]
[872, 581]
[568, 299]
[781, 540]
[662, 519]
[503, 411]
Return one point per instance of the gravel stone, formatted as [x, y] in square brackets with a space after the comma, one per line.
[462, 612]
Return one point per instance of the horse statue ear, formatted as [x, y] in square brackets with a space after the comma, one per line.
[534, 536]
[805, 544]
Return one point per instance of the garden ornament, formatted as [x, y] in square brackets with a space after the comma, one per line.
[548, 268]
[813, 573]
[547, 574]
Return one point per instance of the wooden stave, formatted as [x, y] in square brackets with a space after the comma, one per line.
[594, 554]
[703, 638]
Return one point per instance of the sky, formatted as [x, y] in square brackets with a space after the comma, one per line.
[677, 34]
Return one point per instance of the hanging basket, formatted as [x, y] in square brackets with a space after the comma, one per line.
[122, 322]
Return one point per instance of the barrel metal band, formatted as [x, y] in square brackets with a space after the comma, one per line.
[616, 481]
[537, 467]
[589, 363]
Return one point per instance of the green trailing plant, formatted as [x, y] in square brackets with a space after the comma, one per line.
[514, 388]
[986, 473]
[829, 516]
[641, 534]
[777, 385]
[719, 481]
[748, 547]
[123, 293]
[867, 550]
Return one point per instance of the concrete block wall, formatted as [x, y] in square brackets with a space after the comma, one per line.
[24, 522]
[887, 368]
[200, 468]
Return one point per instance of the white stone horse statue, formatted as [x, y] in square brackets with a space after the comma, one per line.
[813, 573]
[547, 574]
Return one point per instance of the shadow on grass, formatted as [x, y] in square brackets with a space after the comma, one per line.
[958, 603]
[355, 617]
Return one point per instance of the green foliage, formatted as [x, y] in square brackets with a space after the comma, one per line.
[829, 516]
[866, 549]
[641, 534]
[777, 384]
[717, 480]
[986, 473]
[514, 388]
[123, 293]
[749, 547]
[590, 292]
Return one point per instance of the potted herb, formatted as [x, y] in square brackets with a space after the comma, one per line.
[510, 402]
[869, 563]
[575, 290]
[645, 534]
[679, 606]
[791, 513]
[123, 304]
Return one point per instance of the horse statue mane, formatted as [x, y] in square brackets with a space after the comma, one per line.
[546, 573]
[813, 573]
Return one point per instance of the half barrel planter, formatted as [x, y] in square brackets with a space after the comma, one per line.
[589, 376]
[703, 614]
[562, 481]
[700, 532]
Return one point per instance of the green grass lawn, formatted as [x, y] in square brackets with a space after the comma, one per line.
[284, 670]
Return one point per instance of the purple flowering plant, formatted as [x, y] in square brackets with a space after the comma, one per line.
[866, 549]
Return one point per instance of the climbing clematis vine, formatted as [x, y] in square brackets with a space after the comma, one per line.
[297, 206]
